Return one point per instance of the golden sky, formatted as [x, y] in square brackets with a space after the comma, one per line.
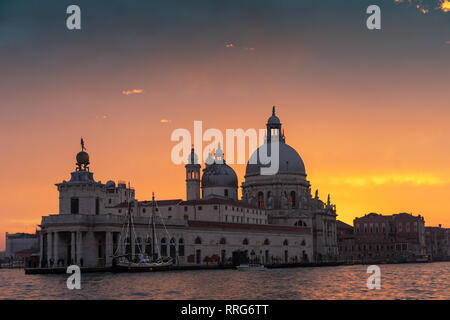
[368, 112]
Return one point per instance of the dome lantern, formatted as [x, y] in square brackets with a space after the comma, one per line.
[82, 158]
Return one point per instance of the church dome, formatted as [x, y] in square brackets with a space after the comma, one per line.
[290, 161]
[219, 175]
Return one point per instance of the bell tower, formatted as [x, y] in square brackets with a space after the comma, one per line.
[192, 177]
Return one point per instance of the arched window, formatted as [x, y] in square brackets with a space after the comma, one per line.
[223, 241]
[137, 246]
[226, 192]
[172, 249]
[148, 246]
[163, 247]
[260, 200]
[300, 223]
[127, 246]
[266, 242]
[198, 240]
[181, 248]
[285, 242]
[292, 199]
[245, 242]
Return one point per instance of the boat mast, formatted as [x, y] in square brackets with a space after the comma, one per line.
[153, 226]
[129, 224]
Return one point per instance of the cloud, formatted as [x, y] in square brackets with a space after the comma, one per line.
[443, 5]
[232, 45]
[134, 91]
[388, 179]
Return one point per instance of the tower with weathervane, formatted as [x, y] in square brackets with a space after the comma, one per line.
[81, 194]
[192, 177]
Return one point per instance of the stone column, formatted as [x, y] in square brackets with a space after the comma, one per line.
[41, 249]
[55, 248]
[108, 248]
[49, 247]
[80, 249]
[72, 248]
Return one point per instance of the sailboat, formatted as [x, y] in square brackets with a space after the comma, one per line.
[141, 262]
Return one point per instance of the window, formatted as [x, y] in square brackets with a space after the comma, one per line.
[74, 206]
[185, 209]
[266, 242]
[215, 207]
[226, 192]
[285, 242]
[245, 242]
[97, 206]
[148, 246]
[170, 208]
[199, 208]
[223, 241]
[407, 227]
[292, 199]
[163, 247]
[260, 200]
[198, 240]
[181, 248]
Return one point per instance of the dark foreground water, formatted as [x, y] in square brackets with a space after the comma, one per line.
[404, 281]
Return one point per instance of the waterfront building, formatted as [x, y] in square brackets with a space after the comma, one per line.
[438, 243]
[16, 242]
[346, 242]
[384, 238]
[277, 220]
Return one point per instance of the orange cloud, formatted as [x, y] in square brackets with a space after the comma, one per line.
[445, 5]
[388, 179]
[128, 92]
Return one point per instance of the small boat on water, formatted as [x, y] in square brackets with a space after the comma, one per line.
[251, 267]
[141, 262]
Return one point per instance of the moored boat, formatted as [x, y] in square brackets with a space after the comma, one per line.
[141, 262]
[251, 267]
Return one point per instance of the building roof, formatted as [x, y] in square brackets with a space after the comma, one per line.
[343, 225]
[249, 227]
[208, 201]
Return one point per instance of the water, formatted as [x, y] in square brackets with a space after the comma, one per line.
[403, 281]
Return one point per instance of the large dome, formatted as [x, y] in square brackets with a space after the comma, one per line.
[219, 175]
[290, 161]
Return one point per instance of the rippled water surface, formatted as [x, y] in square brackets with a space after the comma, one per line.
[403, 281]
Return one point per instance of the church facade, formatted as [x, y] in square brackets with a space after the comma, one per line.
[277, 221]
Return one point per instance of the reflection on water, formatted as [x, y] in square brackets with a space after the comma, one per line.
[403, 281]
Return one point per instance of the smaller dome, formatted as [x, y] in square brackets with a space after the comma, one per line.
[219, 175]
[82, 157]
[110, 184]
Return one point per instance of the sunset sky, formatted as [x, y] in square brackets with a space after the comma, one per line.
[368, 111]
